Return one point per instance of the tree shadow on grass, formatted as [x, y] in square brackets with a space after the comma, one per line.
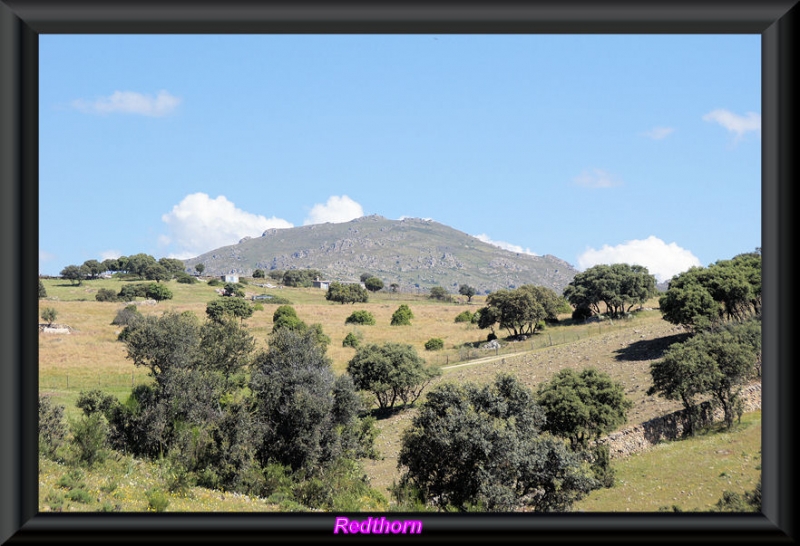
[649, 349]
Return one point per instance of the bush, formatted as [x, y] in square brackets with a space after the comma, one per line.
[350, 340]
[105, 294]
[434, 344]
[158, 292]
[157, 500]
[464, 316]
[402, 316]
[42, 290]
[90, 438]
[214, 282]
[79, 495]
[360, 317]
[52, 429]
[127, 316]
[49, 315]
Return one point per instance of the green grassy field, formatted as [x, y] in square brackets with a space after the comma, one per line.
[91, 357]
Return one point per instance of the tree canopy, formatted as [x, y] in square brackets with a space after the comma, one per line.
[618, 286]
[481, 447]
[346, 293]
[716, 363]
[727, 290]
[392, 372]
[467, 290]
[519, 311]
[582, 406]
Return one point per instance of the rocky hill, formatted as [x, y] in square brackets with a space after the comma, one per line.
[416, 254]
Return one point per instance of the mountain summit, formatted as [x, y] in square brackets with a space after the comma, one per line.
[413, 252]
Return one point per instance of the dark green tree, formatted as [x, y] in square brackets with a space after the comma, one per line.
[519, 311]
[199, 268]
[373, 284]
[75, 274]
[300, 277]
[703, 297]
[173, 266]
[392, 372]
[259, 274]
[295, 397]
[158, 292]
[231, 307]
[439, 293]
[467, 290]
[42, 290]
[346, 293]
[716, 363]
[157, 272]
[285, 316]
[94, 268]
[481, 447]
[233, 290]
[618, 286]
[165, 342]
[582, 406]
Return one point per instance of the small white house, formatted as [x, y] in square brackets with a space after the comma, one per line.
[321, 284]
[230, 278]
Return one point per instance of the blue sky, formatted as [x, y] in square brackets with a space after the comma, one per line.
[592, 148]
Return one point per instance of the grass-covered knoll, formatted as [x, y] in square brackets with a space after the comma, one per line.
[690, 474]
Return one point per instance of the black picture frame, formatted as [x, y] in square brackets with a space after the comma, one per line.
[22, 21]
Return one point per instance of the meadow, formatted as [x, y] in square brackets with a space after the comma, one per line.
[90, 357]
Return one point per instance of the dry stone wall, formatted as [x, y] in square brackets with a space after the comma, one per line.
[670, 427]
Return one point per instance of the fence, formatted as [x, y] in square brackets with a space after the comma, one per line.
[547, 338]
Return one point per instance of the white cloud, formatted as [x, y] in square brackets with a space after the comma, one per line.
[657, 133]
[502, 244]
[198, 224]
[662, 260]
[335, 210]
[110, 255]
[734, 122]
[45, 256]
[596, 178]
[130, 102]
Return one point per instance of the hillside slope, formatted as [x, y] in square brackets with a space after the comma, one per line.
[416, 254]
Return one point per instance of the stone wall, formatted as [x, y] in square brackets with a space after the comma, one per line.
[670, 427]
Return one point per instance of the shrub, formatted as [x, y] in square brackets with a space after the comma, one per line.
[49, 315]
[157, 500]
[464, 316]
[350, 340]
[360, 317]
[434, 344]
[127, 316]
[42, 290]
[214, 282]
[105, 294]
[259, 274]
[74, 479]
[158, 292]
[52, 429]
[402, 316]
[79, 495]
[90, 438]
